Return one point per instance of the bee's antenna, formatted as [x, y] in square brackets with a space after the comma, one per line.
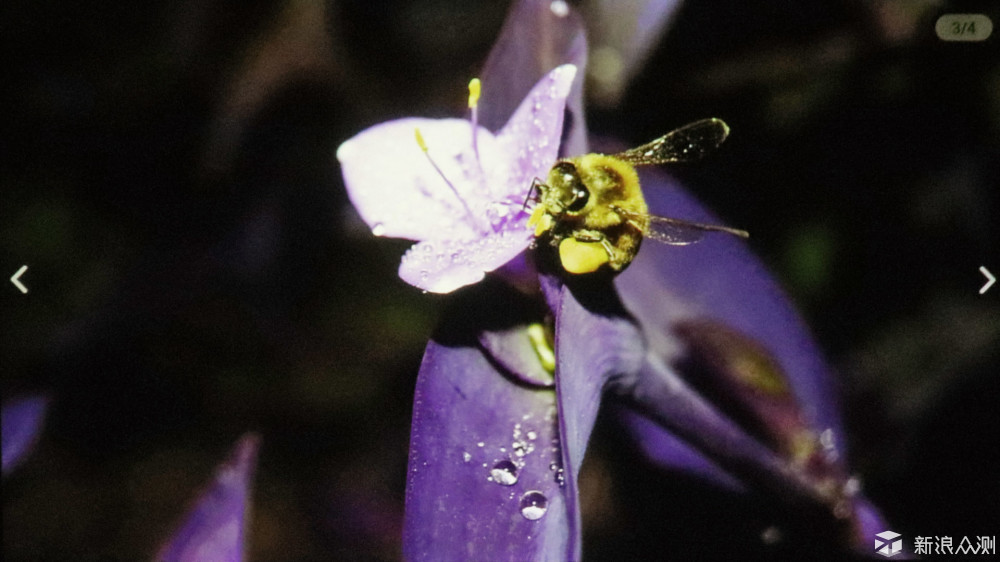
[534, 185]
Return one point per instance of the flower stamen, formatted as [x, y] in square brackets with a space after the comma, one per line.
[543, 342]
[423, 148]
[475, 89]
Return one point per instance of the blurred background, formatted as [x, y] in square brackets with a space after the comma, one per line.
[195, 269]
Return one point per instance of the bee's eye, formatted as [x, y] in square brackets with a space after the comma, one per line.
[573, 193]
[580, 197]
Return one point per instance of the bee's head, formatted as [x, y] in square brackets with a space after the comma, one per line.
[566, 191]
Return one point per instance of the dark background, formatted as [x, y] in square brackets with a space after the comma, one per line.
[195, 270]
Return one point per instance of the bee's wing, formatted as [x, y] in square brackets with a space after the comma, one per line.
[686, 144]
[677, 232]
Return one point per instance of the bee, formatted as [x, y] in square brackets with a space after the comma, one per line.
[592, 209]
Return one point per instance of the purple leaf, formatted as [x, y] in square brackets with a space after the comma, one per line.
[720, 280]
[595, 342]
[214, 529]
[667, 450]
[764, 408]
[21, 425]
[485, 479]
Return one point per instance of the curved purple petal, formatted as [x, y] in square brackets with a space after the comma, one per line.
[719, 279]
[716, 304]
[595, 342]
[441, 266]
[532, 134]
[21, 424]
[624, 34]
[537, 36]
[485, 475]
[214, 530]
[668, 451]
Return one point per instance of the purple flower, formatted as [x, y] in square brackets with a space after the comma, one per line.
[214, 529]
[463, 198]
[21, 424]
[707, 363]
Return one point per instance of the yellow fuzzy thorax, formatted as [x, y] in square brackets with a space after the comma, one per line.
[613, 183]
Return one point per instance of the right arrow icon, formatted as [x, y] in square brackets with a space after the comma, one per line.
[990, 280]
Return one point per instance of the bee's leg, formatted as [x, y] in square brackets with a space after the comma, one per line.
[597, 236]
[612, 252]
[589, 236]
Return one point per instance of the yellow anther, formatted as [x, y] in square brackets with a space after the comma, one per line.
[475, 88]
[420, 139]
[541, 340]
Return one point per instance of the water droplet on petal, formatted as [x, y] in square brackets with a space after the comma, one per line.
[561, 478]
[504, 472]
[532, 435]
[378, 229]
[466, 457]
[533, 505]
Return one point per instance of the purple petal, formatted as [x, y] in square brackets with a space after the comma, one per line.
[468, 212]
[512, 349]
[531, 136]
[450, 258]
[660, 394]
[441, 266]
[668, 451]
[537, 36]
[719, 279]
[485, 465]
[398, 192]
[21, 424]
[595, 342]
[715, 299]
[214, 529]
[624, 34]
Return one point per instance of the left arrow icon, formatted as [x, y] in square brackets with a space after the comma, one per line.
[16, 279]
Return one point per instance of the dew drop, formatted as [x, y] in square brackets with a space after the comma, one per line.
[466, 457]
[532, 435]
[504, 473]
[561, 478]
[533, 505]
[378, 229]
